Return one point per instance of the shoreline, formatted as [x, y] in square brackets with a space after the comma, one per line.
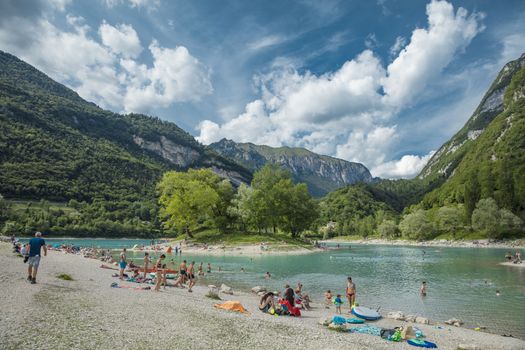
[480, 243]
[142, 314]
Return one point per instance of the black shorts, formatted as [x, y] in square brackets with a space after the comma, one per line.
[183, 273]
[191, 276]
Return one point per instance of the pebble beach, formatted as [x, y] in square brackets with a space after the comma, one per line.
[87, 313]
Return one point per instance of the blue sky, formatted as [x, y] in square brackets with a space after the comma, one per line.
[381, 82]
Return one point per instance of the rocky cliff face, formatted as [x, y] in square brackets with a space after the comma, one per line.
[321, 173]
[447, 158]
[178, 155]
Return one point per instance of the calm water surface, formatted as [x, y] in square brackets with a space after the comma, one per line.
[462, 282]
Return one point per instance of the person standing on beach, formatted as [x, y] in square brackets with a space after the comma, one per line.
[200, 272]
[350, 292]
[147, 261]
[182, 274]
[191, 276]
[160, 272]
[35, 246]
[122, 263]
[208, 270]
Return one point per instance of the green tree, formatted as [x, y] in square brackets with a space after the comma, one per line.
[388, 229]
[299, 210]
[449, 219]
[187, 198]
[472, 194]
[416, 225]
[486, 216]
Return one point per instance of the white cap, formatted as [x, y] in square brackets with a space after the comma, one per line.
[38, 234]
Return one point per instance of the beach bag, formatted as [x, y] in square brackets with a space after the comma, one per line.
[387, 333]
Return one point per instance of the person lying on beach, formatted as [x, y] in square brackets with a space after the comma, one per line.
[160, 272]
[328, 299]
[267, 302]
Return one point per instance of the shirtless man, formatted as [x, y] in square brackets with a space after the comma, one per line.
[350, 292]
[423, 289]
[182, 274]
[200, 272]
[147, 261]
[191, 275]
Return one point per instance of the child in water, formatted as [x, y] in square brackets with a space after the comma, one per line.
[338, 302]
[328, 299]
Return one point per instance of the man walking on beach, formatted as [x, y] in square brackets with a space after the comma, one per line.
[35, 246]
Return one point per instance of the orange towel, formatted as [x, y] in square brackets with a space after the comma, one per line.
[232, 306]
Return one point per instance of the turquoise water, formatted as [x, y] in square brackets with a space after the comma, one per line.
[95, 242]
[462, 282]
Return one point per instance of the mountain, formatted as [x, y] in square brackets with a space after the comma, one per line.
[321, 173]
[486, 158]
[57, 146]
[447, 158]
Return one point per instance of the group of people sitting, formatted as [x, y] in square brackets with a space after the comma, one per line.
[288, 304]
[516, 258]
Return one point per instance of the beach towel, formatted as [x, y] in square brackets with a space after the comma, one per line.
[366, 329]
[422, 343]
[355, 320]
[231, 306]
[338, 320]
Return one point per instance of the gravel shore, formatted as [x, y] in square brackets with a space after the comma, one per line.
[481, 243]
[87, 314]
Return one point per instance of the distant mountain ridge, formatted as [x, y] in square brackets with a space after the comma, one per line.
[321, 173]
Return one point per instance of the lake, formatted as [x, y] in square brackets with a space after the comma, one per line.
[462, 282]
[106, 243]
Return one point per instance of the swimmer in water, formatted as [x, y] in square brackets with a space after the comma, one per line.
[497, 293]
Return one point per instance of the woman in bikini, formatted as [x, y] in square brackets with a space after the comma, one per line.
[160, 272]
[350, 292]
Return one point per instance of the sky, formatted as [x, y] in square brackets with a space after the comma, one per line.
[380, 82]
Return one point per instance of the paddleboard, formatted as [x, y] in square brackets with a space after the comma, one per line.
[366, 313]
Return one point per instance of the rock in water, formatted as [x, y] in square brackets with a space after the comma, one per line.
[226, 290]
[258, 289]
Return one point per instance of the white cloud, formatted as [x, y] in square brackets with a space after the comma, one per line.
[176, 76]
[105, 72]
[148, 4]
[429, 51]
[60, 5]
[406, 167]
[371, 41]
[267, 41]
[398, 45]
[346, 113]
[122, 39]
